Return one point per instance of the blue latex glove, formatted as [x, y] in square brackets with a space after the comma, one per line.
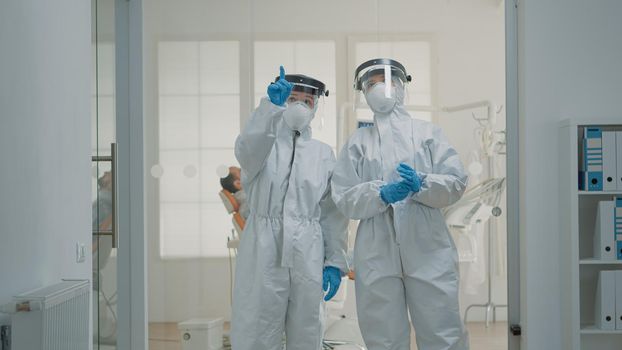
[394, 192]
[279, 92]
[331, 277]
[410, 176]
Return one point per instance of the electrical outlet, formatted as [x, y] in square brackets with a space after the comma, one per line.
[80, 253]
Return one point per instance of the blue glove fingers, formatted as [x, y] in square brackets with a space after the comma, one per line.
[407, 177]
[405, 171]
[331, 293]
[286, 88]
[410, 176]
[333, 275]
[279, 91]
[413, 182]
[325, 281]
[405, 167]
[284, 83]
[417, 184]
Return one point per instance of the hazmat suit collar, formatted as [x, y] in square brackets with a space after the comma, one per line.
[397, 113]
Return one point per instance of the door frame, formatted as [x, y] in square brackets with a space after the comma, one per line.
[132, 274]
[512, 170]
[132, 267]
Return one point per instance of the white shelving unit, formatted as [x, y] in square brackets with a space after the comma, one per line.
[592, 261]
[578, 267]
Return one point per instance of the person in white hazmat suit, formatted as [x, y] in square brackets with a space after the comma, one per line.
[293, 246]
[393, 177]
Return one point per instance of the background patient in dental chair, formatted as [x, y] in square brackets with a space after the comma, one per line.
[233, 184]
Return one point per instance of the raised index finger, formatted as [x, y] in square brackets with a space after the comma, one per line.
[282, 73]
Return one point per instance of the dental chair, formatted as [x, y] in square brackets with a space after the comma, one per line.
[233, 207]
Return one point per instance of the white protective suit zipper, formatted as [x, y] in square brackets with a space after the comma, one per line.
[291, 162]
[289, 176]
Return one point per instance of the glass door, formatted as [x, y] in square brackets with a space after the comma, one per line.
[207, 65]
[104, 170]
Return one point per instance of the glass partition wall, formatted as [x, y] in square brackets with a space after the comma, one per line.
[207, 65]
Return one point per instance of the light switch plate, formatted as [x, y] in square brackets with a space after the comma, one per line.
[80, 253]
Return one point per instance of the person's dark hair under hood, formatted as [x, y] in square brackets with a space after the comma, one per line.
[228, 183]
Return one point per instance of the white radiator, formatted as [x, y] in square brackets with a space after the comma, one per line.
[53, 318]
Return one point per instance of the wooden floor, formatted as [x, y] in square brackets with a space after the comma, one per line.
[493, 338]
[165, 336]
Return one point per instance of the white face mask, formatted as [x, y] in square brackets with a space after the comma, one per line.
[298, 115]
[377, 100]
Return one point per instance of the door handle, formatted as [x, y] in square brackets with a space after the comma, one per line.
[113, 232]
[516, 330]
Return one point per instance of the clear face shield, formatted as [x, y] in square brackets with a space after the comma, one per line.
[382, 82]
[304, 100]
[308, 99]
[305, 90]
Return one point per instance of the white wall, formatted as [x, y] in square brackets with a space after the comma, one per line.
[45, 189]
[470, 42]
[569, 67]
